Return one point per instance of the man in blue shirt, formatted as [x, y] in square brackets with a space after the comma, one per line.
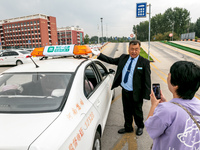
[134, 76]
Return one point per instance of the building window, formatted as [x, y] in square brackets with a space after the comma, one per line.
[34, 22]
[35, 31]
[27, 23]
[31, 23]
[24, 23]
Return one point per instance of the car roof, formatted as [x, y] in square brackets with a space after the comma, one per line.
[68, 64]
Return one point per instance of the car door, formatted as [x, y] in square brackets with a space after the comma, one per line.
[99, 91]
[12, 57]
[4, 58]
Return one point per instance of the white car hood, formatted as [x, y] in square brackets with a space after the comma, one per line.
[18, 131]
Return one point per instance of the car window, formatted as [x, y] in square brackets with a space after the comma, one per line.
[5, 54]
[88, 87]
[102, 70]
[32, 92]
[13, 54]
[25, 52]
[91, 80]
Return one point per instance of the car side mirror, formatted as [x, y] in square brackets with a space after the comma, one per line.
[111, 71]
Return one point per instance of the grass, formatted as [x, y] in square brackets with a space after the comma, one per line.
[145, 55]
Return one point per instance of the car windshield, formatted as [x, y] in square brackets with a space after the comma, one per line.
[24, 52]
[32, 92]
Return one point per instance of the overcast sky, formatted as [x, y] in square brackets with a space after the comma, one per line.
[119, 16]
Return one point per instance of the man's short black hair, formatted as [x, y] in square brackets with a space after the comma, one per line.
[185, 75]
[134, 42]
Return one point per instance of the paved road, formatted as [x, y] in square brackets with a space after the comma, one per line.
[164, 57]
[195, 45]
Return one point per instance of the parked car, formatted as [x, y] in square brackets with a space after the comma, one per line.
[61, 105]
[14, 57]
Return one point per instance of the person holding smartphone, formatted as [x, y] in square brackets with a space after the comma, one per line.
[169, 125]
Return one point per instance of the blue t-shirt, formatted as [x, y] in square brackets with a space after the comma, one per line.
[171, 128]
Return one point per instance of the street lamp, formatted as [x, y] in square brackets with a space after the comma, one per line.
[102, 28]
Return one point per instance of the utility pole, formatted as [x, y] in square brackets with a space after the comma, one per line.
[149, 29]
[98, 34]
[102, 28]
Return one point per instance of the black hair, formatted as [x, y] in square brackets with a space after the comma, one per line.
[185, 75]
[134, 42]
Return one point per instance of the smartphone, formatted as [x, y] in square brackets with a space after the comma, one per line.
[156, 90]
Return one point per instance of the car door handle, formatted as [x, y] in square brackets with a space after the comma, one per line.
[98, 103]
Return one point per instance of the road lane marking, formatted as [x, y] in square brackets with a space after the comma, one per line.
[144, 48]
[159, 69]
[180, 51]
[159, 75]
[101, 51]
[116, 98]
[129, 138]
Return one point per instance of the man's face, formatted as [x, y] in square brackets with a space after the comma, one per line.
[134, 50]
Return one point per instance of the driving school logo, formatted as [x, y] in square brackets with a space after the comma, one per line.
[58, 49]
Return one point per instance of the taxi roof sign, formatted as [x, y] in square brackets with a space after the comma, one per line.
[62, 50]
[37, 51]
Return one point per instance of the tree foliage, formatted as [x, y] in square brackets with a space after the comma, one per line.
[86, 39]
[176, 20]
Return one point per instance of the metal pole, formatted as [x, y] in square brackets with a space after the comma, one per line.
[173, 31]
[98, 34]
[149, 29]
[102, 28]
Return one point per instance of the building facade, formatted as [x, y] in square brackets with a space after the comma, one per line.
[70, 35]
[28, 32]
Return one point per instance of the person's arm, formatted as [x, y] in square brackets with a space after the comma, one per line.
[109, 60]
[155, 102]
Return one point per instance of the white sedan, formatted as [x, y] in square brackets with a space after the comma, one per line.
[14, 57]
[61, 105]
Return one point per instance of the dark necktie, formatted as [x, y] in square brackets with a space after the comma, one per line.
[128, 71]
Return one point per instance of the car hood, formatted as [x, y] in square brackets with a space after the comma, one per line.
[18, 131]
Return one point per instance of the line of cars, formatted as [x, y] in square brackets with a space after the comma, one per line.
[60, 104]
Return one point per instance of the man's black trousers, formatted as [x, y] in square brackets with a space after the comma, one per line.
[132, 108]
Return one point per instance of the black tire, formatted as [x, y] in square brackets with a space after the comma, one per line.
[97, 142]
[19, 62]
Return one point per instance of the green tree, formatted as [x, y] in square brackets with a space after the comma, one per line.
[177, 19]
[86, 39]
[197, 28]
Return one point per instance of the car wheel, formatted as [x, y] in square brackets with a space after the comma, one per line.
[19, 62]
[113, 96]
[97, 142]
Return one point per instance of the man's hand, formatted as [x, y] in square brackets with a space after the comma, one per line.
[95, 51]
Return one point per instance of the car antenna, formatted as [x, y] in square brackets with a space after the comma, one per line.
[34, 62]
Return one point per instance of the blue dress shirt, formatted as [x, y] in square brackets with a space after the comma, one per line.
[129, 85]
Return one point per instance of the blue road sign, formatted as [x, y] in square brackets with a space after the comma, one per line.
[0, 43]
[128, 38]
[141, 10]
